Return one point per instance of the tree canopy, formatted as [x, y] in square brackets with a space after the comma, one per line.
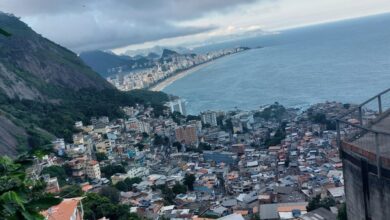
[189, 181]
[21, 197]
[56, 171]
[97, 206]
[317, 202]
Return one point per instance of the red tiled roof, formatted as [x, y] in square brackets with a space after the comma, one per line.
[64, 210]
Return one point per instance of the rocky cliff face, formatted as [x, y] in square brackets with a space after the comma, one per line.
[36, 69]
[30, 64]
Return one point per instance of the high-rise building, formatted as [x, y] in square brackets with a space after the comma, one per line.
[178, 105]
[364, 143]
[187, 134]
[209, 117]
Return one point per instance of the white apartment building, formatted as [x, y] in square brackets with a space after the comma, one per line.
[93, 169]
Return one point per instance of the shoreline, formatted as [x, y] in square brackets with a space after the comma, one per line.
[168, 81]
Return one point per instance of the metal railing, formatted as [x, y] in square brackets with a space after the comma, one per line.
[360, 129]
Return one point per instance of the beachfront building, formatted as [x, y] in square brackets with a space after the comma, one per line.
[177, 105]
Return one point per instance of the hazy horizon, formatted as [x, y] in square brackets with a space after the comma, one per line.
[120, 26]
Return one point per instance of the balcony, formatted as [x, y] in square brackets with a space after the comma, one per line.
[364, 132]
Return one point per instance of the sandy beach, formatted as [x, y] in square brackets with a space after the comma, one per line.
[161, 85]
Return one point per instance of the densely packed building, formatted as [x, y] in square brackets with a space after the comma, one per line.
[165, 67]
[268, 162]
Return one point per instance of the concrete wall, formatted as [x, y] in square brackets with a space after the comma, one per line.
[358, 182]
[379, 197]
[353, 191]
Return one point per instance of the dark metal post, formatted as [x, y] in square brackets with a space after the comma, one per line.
[378, 155]
[380, 104]
[360, 116]
[338, 138]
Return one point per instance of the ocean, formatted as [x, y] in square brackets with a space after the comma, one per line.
[345, 61]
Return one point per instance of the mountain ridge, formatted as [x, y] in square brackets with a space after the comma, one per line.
[45, 88]
[30, 63]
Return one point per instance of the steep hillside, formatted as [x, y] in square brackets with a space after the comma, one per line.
[101, 61]
[108, 64]
[168, 53]
[45, 88]
[30, 64]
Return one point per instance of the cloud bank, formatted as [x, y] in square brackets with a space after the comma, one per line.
[106, 24]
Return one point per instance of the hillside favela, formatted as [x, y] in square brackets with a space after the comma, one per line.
[195, 110]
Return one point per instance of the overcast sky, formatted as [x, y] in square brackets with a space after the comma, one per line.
[130, 24]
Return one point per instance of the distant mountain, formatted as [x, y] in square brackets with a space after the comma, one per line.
[168, 53]
[108, 64]
[157, 50]
[101, 61]
[30, 64]
[138, 57]
[45, 88]
[153, 56]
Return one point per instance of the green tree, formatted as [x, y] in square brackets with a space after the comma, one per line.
[192, 117]
[21, 197]
[131, 181]
[56, 171]
[140, 146]
[327, 202]
[100, 156]
[167, 194]
[274, 111]
[317, 202]
[122, 186]
[189, 181]
[110, 170]
[177, 145]
[179, 188]
[314, 203]
[110, 193]
[342, 214]
[255, 217]
[67, 169]
[280, 134]
[97, 206]
[127, 184]
[71, 191]
[158, 140]
[145, 135]
[204, 146]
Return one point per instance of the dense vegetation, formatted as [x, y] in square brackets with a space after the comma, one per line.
[189, 181]
[321, 118]
[317, 202]
[279, 135]
[56, 171]
[274, 111]
[46, 87]
[59, 118]
[112, 169]
[21, 197]
[127, 184]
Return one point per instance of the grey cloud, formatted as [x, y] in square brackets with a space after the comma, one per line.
[106, 24]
